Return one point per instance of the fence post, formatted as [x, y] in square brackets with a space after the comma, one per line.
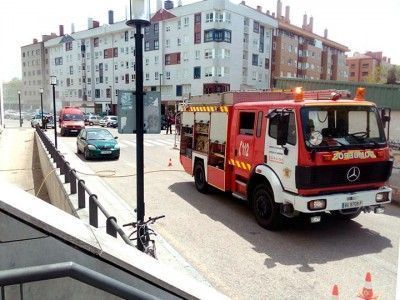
[67, 172]
[72, 177]
[110, 229]
[93, 212]
[62, 165]
[81, 194]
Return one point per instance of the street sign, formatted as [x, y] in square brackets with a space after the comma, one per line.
[127, 112]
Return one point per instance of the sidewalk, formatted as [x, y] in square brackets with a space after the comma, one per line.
[394, 180]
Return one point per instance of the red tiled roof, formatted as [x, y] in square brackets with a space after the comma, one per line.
[162, 15]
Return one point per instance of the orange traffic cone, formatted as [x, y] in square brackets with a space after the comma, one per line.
[170, 163]
[335, 292]
[367, 292]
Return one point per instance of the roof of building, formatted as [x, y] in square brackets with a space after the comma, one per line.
[300, 31]
[162, 15]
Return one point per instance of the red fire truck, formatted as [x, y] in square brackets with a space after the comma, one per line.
[288, 153]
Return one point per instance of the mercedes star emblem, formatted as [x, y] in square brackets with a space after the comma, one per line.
[353, 174]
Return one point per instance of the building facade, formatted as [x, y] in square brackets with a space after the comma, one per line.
[35, 73]
[203, 47]
[369, 67]
[298, 52]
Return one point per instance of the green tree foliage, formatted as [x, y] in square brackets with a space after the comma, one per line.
[391, 77]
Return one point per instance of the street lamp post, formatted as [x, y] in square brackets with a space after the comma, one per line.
[108, 113]
[53, 82]
[41, 104]
[161, 74]
[19, 106]
[139, 17]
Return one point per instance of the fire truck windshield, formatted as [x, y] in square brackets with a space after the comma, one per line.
[342, 127]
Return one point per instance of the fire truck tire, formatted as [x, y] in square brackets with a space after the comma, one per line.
[337, 214]
[200, 178]
[266, 211]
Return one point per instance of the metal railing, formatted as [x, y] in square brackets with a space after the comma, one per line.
[72, 270]
[78, 186]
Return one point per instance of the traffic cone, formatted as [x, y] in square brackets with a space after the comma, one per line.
[335, 292]
[367, 292]
[170, 163]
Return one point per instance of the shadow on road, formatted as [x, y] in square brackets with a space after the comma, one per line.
[299, 243]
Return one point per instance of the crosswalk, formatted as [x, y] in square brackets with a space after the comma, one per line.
[149, 143]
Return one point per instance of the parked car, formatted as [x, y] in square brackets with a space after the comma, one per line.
[71, 120]
[92, 120]
[109, 121]
[97, 143]
[37, 119]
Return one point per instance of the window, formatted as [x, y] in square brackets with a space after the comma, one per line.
[185, 56]
[197, 19]
[246, 123]
[155, 26]
[147, 46]
[167, 43]
[156, 74]
[115, 52]
[179, 90]
[167, 59]
[58, 61]
[126, 78]
[197, 72]
[96, 42]
[156, 60]
[156, 45]
[246, 21]
[259, 123]
[126, 36]
[71, 70]
[147, 75]
[352, 74]
[209, 72]
[178, 42]
[146, 30]
[197, 37]
[217, 35]
[254, 60]
[208, 53]
[219, 17]
[116, 79]
[273, 128]
[168, 28]
[209, 17]
[364, 74]
[68, 46]
[197, 54]
[168, 75]
[365, 65]
[147, 61]
[186, 21]
[256, 27]
[97, 93]
[179, 24]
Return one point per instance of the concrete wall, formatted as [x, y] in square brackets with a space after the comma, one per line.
[55, 187]
[395, 125]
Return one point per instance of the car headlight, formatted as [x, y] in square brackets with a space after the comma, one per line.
[116, 146]
[91, 147]
[382, 197]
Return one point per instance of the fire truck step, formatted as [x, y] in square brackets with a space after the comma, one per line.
[239, 196]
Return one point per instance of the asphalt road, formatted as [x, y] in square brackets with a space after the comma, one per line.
[218, 235]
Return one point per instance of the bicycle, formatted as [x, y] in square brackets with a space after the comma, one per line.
[145, 233]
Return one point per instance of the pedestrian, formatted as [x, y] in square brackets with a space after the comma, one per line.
[45, 121]
[169, 123]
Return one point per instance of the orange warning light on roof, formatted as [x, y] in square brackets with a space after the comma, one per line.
[298, 94]
[360, 94]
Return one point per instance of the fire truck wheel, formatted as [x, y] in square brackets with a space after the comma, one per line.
[264, 207]
[338, 214]
[200, 178]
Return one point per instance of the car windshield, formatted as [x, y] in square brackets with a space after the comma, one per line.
[73, 117]
[341, 127]
[99, 135]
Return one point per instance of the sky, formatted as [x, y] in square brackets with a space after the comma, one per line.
[361, 25]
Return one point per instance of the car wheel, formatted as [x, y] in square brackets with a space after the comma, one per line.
[265, 210]
[86, 154]
[77, 150]
[200, 178]
[90, 123]
[346, 215]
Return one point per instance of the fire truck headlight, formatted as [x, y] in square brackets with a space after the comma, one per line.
[317, 204]
[382, 197]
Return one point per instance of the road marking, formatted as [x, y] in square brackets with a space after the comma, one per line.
[129, 143]
[169, 143]
[122, 146]
[155, 142]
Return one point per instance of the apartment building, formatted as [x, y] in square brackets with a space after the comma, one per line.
[203, 47]
[35, 72]
[367, 67]
[299, 52]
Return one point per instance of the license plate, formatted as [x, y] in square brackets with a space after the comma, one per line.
[105, 152]
[351, 204]
[74, 130]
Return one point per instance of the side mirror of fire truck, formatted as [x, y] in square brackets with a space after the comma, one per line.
[385, 115]
[283, 130]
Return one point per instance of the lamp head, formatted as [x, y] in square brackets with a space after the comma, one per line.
[139, 13]
[53, 80]
[41, 90]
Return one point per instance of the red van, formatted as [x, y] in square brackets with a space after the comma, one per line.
[72, 120]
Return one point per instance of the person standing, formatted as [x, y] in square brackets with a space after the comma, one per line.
[169, 123]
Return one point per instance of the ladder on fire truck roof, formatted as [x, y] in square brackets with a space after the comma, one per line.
[233, 97]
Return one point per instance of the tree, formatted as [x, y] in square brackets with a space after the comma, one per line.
[391, 77]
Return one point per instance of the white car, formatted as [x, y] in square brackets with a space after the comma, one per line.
[109, 121]
[37, 119]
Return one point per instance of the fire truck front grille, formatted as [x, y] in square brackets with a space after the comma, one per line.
[342, 175]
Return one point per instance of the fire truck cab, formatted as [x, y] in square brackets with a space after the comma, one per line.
[289, 152]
